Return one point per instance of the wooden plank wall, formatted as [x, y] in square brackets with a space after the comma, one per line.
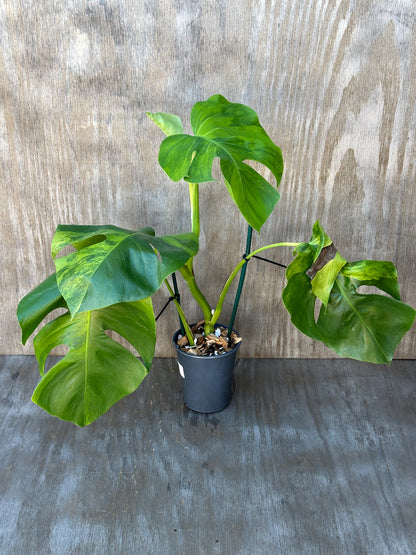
[333, 82]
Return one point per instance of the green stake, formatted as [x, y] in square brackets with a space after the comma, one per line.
[176, 290]
[241, 282]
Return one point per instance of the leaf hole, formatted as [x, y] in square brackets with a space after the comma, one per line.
[371, 290]
[317, 309]
[60, 351]
[157, 253]
[79, 245]
[216, 170]
[55, 313]
[69, 249]
[123, 342]
[48, 318]
[261, 169]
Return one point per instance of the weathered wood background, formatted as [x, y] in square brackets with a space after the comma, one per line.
[333, 81]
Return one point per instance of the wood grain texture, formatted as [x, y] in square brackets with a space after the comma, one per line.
[310, 457]
[332, 81]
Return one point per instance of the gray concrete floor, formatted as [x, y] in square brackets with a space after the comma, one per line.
[311, 456]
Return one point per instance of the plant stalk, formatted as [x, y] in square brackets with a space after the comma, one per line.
[232, 276]
[187, 270]
[181, 313]
[188, 276]
[194, 199]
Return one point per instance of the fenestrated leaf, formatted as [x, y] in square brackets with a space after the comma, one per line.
[366, 327]
[123, 266]
[363, 326]
[378, 273]
[298, 296]
[233, 133]
[97, 371]
[324, 278]
[34, 306]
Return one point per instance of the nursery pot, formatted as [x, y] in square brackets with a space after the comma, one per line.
[206, 380]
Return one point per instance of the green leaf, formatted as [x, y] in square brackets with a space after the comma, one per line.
[298, 296]
[34, 306]
[324, 278]
[378, 273]
[123, 266]
[168, 123]
[97, 371]
[233, 133]
[366, 327]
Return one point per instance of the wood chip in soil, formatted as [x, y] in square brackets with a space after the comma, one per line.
[211, 345]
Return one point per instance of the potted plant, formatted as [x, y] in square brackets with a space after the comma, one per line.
[107, 281]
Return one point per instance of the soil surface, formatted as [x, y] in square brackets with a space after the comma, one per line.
[216, 343]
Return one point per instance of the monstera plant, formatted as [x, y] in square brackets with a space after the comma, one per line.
[107, 280]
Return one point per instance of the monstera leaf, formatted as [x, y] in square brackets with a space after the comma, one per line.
[113, 265]
[168, 123]
[366, 327]
[233, 133]
[33, 308]
[97, 371]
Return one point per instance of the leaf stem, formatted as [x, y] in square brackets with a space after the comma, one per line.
[218, 308]
[187, 270]
[194, 199]
[181, 313]
[188, 276]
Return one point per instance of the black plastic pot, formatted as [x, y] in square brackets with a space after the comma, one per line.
[206, 381]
